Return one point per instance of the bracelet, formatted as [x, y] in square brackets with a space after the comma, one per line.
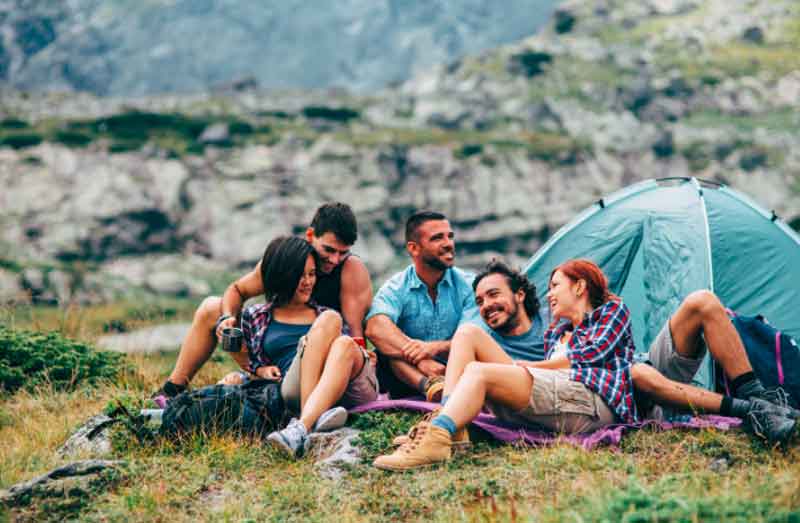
[222, 317]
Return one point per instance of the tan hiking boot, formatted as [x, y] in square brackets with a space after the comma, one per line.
[460, 439]
[430, 445]
[434, 389]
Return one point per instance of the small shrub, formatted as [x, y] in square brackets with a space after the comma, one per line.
[21, 140]
[28, 359]
[469, 149]
[529, 63]
[335, 114]
[72, 138]
[238, 127]
[13, 123]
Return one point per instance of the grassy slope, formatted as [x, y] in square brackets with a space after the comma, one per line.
[653, 477]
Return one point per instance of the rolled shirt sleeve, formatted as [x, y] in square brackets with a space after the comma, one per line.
[388, 301]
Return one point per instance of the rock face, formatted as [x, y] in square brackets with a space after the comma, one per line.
[109, 47]
[509, 144]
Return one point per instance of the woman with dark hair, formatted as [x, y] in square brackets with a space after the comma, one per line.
[293, 338]
[583, 383]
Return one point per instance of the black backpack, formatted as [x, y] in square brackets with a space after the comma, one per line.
[774, 355]
[253, 409]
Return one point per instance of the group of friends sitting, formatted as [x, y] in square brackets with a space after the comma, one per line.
[467, 342]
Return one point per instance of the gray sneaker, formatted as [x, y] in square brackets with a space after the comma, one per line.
[765, 423]
[780, 402]
[331, 419]
[292, 440]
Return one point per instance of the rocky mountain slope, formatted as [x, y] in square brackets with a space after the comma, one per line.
[173, 194]
[132, 47]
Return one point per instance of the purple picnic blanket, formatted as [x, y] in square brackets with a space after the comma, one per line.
[508, 432]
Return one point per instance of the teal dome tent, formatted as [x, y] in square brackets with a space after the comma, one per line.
[659, 240]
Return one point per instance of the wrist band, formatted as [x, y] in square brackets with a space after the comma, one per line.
[222, 317]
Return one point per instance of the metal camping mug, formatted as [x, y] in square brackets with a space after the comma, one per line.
[232, 339]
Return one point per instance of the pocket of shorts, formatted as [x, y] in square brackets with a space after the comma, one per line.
[574, 398]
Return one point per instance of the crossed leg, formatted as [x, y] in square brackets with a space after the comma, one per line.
[701, 315]
[471, 343]
[329, 362]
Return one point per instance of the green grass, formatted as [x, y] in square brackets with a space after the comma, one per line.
[653, 476]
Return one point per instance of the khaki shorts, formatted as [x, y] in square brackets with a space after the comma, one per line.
[363, 388]
[668, 362]
[560, 404]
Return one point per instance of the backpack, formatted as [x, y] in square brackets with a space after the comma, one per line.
[774, 356]
[253, 409]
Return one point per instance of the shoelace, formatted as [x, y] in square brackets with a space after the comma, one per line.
[755, 424]
[419, 430]
[777, 396]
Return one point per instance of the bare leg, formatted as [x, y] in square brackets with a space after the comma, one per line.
[343, 362]
[326, 328]
[663, 390]
[507, 384]
[702, 313]
[199, 343]
[471, 343]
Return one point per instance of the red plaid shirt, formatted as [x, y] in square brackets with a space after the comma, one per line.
[601, 354]
[255, 321]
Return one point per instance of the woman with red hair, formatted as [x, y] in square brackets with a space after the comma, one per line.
[584, 382]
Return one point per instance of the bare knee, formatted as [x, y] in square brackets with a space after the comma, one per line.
[209, 310]
[475, 371]
[329, 321]
[344, 349]
[704, 304]
[465, 335]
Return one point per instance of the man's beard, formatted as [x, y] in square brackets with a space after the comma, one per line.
[512, 321]
[434, 263]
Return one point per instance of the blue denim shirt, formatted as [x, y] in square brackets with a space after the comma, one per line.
[404, 299]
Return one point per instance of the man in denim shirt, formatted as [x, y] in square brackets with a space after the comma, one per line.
[416, 312]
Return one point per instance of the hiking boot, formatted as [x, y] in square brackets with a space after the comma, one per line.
[331, 419]
[765, 423]
[292, 440]
[778, 398]
[167, 391]
[430, 445]
[434, 389]
[460, 440]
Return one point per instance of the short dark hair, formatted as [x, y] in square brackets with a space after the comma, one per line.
[418, 218]
[337, 218]
[282, 267]
[516, 280]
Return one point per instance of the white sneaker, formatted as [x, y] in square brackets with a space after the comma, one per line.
[331, 419]
[292, 440]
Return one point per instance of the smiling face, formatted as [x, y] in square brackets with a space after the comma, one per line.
[499, 306]
[332, 251]
[562, 296]
[435, 246]
[306, 285]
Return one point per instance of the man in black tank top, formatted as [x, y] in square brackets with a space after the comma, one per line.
[328, 289]
[343, 284]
